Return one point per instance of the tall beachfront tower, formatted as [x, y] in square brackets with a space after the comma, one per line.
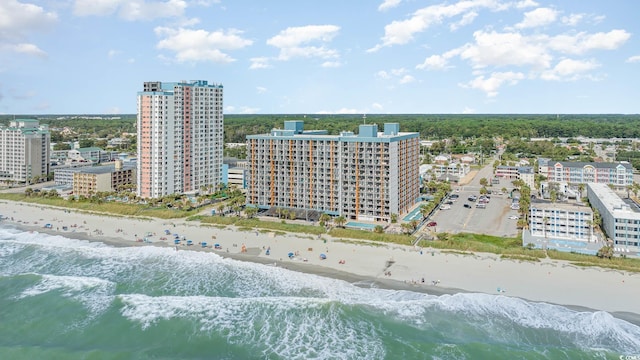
[366, 176]
[24, 151]
[180, 138]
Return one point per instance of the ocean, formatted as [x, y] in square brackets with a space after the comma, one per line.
[64, 298]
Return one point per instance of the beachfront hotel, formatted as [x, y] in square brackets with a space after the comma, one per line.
[620, 218]
[561, 226]
[24, 150]
[618, 174]
[180, 137]
[90, 180]
[366, 176]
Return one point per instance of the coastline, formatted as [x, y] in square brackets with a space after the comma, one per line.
[387, 266]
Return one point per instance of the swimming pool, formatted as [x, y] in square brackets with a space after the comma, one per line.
[359, 225]
[413, 215]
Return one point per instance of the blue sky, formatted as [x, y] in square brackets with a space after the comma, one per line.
[330, 56]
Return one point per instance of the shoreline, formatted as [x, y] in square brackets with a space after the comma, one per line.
[386, 266]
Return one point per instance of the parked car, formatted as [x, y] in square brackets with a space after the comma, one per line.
[432, 223]
[472, 198]
[467, 205]
[514, 217]
[448, 202]
[445, 207]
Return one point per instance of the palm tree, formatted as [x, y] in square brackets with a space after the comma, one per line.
[394, 218]
[220, 209]
[378, 229]
[424, 210]
[340, 221]
[324, 218]
[250, 211]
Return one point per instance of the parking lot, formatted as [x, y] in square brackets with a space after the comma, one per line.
[491, 220]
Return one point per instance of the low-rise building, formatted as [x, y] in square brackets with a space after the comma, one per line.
[524, 173]
[561, 226]
[94, 179]
[618, 174]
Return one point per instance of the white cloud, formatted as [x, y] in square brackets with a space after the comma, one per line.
[17, 21]
[113, 53]
[582, 42]
[538, 17]
[468, 110]
[377, 106]
[388, 4]
[525, 4]
[259, 63]
[292, 41]
[502, 49]
[491, 84]
[572, 19]
[248, 110]
[466, 20]
[382, 75]
[130, 9]
[200, 45]
[569, 70]
[28, 49]
[331, 64]
[633, 59]
[402, 32]
[407, 79]
[434, 62]
[261, 89]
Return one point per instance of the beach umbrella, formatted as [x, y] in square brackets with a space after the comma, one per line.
[204, 244]
[176, 241]
[290, 254]
[323, 256]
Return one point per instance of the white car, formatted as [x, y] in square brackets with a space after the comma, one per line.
[514, 217]
[445, 207]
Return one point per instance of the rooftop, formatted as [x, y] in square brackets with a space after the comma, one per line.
[614, 203]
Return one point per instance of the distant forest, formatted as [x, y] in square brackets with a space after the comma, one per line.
[435, 127]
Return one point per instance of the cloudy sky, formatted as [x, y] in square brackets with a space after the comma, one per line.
[329, 56]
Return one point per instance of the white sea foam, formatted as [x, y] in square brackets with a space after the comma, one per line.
[236, 295]
[287, 324]
[95, 294]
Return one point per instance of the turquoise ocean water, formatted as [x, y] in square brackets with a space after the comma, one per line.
[70, 299]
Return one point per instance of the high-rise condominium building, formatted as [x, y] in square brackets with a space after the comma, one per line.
[368, 176]
[180, 137]
[24, 151]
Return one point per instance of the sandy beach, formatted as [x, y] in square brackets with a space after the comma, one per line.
[389, 266]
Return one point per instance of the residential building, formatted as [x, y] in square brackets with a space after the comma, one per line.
[561, 226]
[180, 137]
[524, 173]
[24, 150]
[369, 176]
[91, 155]
[620, 218]
[90, 180]
[619, 174]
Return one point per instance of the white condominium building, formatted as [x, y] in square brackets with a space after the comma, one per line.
[24, 150]
[180, 137]
[620, 218]
[366, 176]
